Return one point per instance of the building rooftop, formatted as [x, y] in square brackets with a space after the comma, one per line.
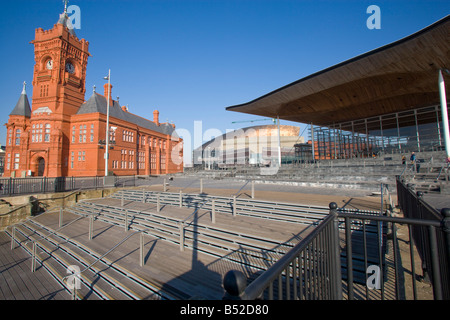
[22, 107]
[397, 77]
[98, 103]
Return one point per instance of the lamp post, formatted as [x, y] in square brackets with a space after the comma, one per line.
[107, 122]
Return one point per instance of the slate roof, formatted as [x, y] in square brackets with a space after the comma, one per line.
[65, 21]
[22, 107]
[98, 103]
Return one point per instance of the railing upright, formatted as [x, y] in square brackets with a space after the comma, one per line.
[141, 258]
[335, 258]
[312, 257]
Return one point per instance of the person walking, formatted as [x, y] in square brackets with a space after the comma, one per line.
[413, 160]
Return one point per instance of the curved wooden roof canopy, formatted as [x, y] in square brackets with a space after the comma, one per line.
[400, 76]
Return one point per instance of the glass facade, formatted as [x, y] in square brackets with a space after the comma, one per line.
[401, 132]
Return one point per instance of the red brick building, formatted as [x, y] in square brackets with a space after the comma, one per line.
[61, 134]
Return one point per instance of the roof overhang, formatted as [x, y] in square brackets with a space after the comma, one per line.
[399, 76]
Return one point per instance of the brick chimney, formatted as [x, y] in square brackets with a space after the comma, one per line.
[105, 86]
[156, 117]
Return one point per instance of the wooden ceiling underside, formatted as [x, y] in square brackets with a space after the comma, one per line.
[397, 77]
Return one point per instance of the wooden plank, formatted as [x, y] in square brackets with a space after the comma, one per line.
[21, 283]
[186, 273]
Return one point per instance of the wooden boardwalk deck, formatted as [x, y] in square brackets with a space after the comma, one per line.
[191, 273]
[17, 282]
[275, 230]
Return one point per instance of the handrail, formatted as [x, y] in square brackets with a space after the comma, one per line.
[105, 254]
[31, 219]
[56, 230]
[182, 222]
[42, 237]
[241, 188]
[12, 210]
[64, 196]
[403, 171]
[21, 206]
[235, 282]
[256, 287]
[399, 220]
[256, 201]
[77, 274]
[442, 169]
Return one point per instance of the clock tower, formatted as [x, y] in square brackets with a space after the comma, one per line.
[60, 134]
[60, 68]
[58, 92]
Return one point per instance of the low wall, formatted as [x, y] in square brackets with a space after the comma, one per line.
[22, 207]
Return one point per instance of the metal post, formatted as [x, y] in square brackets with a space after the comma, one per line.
[337, 283]
[348, 240]
[436, 278]
[446, 228]
[33, 258]
[181, 237]
[165, 185]
[234, 205]
[181, 199]
[158, 205]
[312, 143]
[91, 226]
[13, 238]
[107, 124]
[143, 196]
[444, 114]
[122, 200]
[213, 210]
[126, 221]
[253, 189]
[279, 141]
[141, 249]
[201, 185]
[60, 217]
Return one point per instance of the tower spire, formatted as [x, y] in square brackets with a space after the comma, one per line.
[65, 20]
[65, 6]
[24, 88]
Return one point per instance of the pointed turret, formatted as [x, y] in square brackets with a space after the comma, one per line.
[22, 107]
[65, 20]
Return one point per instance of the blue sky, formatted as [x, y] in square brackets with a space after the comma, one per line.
[192, 59]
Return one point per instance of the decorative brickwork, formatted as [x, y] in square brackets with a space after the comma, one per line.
[61, 134]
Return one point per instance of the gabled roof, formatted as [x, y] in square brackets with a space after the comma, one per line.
[22, 107]
[98, 103]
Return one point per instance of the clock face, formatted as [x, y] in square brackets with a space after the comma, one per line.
[49, 64]
[70, 68]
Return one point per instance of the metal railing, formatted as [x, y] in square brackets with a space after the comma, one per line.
[76, 274]
[309, 271]
[232, 205]
[35, 243]
[33, 185]
[414, 206]
[357, 256]
[183, 224]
